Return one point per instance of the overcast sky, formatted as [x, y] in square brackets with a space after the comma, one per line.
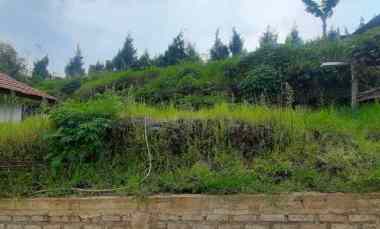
[54, 27]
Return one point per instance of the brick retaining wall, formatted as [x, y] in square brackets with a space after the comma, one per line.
[292, 211]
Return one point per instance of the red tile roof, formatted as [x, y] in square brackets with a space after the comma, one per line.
[11, 85]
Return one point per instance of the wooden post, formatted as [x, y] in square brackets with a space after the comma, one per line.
[354, 87]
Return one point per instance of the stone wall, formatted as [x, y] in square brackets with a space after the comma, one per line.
[290, 211]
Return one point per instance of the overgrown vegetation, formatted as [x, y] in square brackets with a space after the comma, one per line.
[271, 72]
[229, 148]
[268, 121]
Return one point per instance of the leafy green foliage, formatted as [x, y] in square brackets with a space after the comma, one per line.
[10, 62]
[263, 80]
[82, 129]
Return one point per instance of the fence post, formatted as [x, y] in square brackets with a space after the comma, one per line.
[354, 87]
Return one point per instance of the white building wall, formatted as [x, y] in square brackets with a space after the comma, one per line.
[10, 113]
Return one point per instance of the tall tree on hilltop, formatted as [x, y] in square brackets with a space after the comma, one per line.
[109, 66]
[145, 60]
[219, 51]
[333, 34]
[362, 22]
[10, 63]
[346, 32]
[126, 58]
[269, 38]
[176, 51]
[40, 71]
[159, 60]
[324, 10]
[191, 53]
[98, 67]
[294, 39]
[236, 44]
[75, 68]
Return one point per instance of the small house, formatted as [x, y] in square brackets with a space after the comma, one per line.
[12, 92]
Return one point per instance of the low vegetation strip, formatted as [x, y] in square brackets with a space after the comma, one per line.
[101, 144]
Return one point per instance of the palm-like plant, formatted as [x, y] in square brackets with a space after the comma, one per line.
[324, 10]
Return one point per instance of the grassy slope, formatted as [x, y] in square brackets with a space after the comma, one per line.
[344, 157]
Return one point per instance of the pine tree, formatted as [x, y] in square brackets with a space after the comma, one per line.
[269, 39]
[40, 71]
[333, 34]
[109, 66]
[145, 60]
[126, 58]
[176, 51]
[346, 32]
[294, 39]
[75, 67]
[159, 61]
[98, 67]
[219, 51]
[362, 22]
[191, 53]
[236, 44]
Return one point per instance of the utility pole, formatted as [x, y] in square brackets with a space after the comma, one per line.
[354, 86]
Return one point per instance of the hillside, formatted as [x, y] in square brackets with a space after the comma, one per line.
[272, 120]
[271, 73]
[130, 148]
[373, 23]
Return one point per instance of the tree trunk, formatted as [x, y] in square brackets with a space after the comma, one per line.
[324, 27]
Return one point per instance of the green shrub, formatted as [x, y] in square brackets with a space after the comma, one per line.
[82, 129]
[261, 81]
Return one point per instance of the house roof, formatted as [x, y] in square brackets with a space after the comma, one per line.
[10, 85]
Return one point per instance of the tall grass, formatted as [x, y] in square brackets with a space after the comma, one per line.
[24, 140]
[331, 119]
[228, 148]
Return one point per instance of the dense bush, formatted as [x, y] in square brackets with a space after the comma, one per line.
[261, 81]
[81, 130]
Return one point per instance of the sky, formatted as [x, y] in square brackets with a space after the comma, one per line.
[54, 27]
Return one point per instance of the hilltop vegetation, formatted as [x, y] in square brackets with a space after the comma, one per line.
[271, 72]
